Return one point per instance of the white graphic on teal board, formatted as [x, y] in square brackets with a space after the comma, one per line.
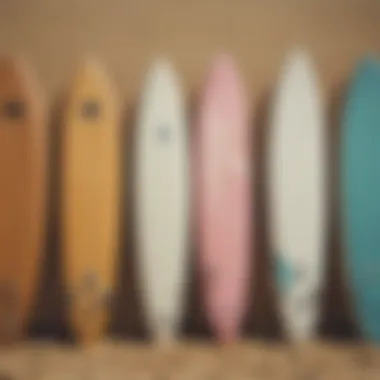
[284, 273]
[297, 288]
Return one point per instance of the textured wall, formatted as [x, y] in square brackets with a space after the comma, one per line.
[54, 35]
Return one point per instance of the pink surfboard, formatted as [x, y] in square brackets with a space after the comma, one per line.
[223, 197]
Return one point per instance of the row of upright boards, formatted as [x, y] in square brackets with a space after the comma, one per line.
[184, 176]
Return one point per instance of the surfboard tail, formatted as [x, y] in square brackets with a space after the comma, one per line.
[87, 337]
[164, 335]
[227, 333]
[163, 331]
[299, 333]
[225, 314]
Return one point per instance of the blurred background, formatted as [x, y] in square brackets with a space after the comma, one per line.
[126, 35]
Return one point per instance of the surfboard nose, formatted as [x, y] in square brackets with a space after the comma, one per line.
[224, 64]
[298, 56]
[161, 73]
[223, 71]
[299, 64]
[224, 88]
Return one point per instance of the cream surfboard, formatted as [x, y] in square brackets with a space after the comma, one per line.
[222, 173]
[296, 155]
[23, 148]
[162, 200]
[90, 199]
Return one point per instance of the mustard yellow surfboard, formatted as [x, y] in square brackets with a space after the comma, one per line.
[90, 194]
[23, 141]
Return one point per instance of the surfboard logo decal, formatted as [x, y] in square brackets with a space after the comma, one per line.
[89, 295]
[163, 133]
[89, 282]
[90, 109]
[14, 109]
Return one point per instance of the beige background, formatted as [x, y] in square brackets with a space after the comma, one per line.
[55, 35]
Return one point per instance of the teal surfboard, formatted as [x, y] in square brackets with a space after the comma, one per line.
[360, 160]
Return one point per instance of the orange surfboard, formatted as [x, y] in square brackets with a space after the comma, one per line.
[90, 194]
[23, 138]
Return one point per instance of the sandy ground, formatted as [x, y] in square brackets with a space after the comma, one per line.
[188, 361]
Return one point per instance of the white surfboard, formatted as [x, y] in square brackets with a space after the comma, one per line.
[162, 200]
[296, 154]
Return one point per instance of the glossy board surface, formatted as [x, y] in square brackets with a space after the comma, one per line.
[297, 195]
[360, 187]
[90, 199]
[223, 172]
[23, 148]
[162, 202]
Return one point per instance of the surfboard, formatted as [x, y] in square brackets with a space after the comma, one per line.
[223, 175]
[296, 195]
[360, 189]
[162, 202]
[90, 199]
[23, 143]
